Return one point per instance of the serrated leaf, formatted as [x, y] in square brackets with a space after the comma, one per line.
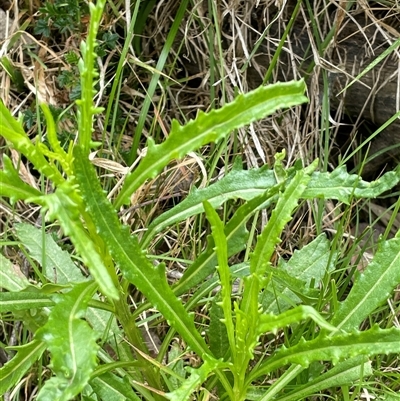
[135, 267]
[333, 348]
[344, 373]
[211, 127]
[267, 241]
[58, 266]
[271, 323]
[247, 184]
[341, 185]
[71, 342]
[12, 186]
[236, 235]
[11, 278]
[64, 205]
[372, 288]
[17, 301]
[224, 273]
[238, 183]
[12, 372]
[59, 153]
[280, 216]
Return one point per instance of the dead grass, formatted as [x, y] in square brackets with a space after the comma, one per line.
[194, 79]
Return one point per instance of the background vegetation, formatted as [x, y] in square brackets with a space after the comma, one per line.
[290, 239]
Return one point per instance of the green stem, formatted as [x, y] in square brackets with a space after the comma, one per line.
[134, 337]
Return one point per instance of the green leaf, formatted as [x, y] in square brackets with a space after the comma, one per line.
[72, 344]
[343, 374]
[109, 387]
[16, 301]
[237, 184]
[372, 288]
[341, 185]
[211, 127]
[260, 260]
[12, 186]
[247, 184]
[236, 235]
[65, 205]
[218, 234]
[135, 267]
[12, 372]
[13, 132]
[8, 121]
[333, 348]
[176, 365]
[271, 323]
[216, 333]
[311, 262]
[59, 153]
[58, 266]
[197, 377]
[87, 69]
[105, 327]
[11, 277]
[280, 216]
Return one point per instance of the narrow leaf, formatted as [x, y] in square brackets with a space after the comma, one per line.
[221, 248]
[125, 250]
[12, 372]
[338, 347]
[23, 144]
[343, 374]
[16, 301]
[371, 65]
[271, 323]
[211, 127]
[267, 241]
[60, 155]
[280, 216]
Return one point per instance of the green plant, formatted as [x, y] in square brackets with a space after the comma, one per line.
[271, 299]
[64, 16]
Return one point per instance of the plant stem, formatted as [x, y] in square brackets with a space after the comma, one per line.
[134, 337]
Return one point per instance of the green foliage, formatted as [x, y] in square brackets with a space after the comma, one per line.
[71, 342]
[60, 15]
[74, 317]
